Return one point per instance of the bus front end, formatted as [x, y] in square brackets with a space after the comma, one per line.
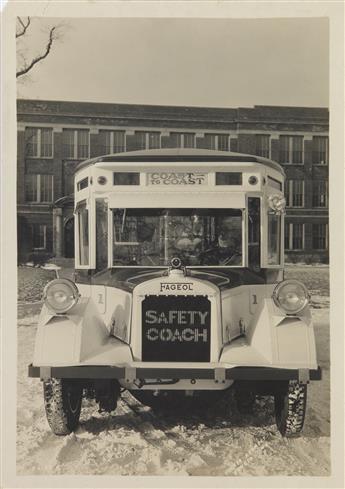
[179, 289]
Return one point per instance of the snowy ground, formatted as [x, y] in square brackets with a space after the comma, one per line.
[137, 441]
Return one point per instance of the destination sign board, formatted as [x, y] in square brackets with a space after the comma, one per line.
[177, 178]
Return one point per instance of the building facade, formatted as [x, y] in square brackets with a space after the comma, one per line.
[53, 137]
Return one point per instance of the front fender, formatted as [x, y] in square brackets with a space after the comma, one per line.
[274, 339]
[70, 338]
[284, 340]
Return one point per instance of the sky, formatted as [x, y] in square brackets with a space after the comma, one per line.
[193, 62]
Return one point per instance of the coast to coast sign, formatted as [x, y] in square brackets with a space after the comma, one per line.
[184, 178]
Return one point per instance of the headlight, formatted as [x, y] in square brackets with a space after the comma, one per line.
[60, 295]
[291, 295]
[277, 203]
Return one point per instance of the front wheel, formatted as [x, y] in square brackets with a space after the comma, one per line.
[290, 406]
[62, 401]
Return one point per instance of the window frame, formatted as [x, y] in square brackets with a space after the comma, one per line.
[318, 237]
[111, 242]
[289, 193]
[44, 247]
[111, 133]
[107, 242]
[182, 135]
[317, 193]
[262, 239]
[146, 139]
[227, 136]
[291, 235]
[91, 237]
[75, 144]
[280, 241]
[38, 187]
[39, 143]
[290, 150]
[215, 137]
[326, 139]
[259, 137]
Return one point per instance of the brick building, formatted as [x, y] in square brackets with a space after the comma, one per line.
[54, 136]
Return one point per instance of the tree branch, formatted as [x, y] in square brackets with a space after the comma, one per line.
[38, 58]
[24, 27]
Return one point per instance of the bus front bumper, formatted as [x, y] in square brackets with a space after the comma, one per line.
[217, 374]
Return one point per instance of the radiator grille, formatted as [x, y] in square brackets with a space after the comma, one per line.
[176, 328]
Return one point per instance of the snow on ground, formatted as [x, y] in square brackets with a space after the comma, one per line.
[135, 440]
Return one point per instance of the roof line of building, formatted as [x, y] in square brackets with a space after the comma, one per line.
[185, 119]
[259, 106]
[200, 113]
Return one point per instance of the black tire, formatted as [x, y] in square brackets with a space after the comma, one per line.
[290, 407]
[245, 402]
[62, 402]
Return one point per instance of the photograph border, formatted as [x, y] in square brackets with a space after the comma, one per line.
[334, 10]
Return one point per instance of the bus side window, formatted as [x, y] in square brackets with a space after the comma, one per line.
[254, 245]
[83, 233]
[274, 239]
[101, 234]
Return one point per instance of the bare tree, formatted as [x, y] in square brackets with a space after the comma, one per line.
[26, 64]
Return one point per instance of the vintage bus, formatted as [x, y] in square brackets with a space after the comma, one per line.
[179, 289]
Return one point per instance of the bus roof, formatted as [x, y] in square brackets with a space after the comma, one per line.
[170, 155]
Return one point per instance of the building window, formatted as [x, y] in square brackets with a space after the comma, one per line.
[223, 142]
[294, 236]
[39, 236]
[115, 141]
[291, 149]
[262, 145]
[75, 143]
[210, 141]
[219, 142]
[39, 188]
[140, 140]
[320, 193]
[182, 139]
[287, 236]
[154, 140]
[39, 142]
[147, 140]
[320, 150]
[320, 236]
[294, 193]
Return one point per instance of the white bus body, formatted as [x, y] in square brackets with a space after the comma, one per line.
[179, 285]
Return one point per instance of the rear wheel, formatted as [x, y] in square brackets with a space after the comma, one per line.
[62, 401]
[290, 407]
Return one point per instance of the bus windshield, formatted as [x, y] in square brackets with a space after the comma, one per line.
[199, 237]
